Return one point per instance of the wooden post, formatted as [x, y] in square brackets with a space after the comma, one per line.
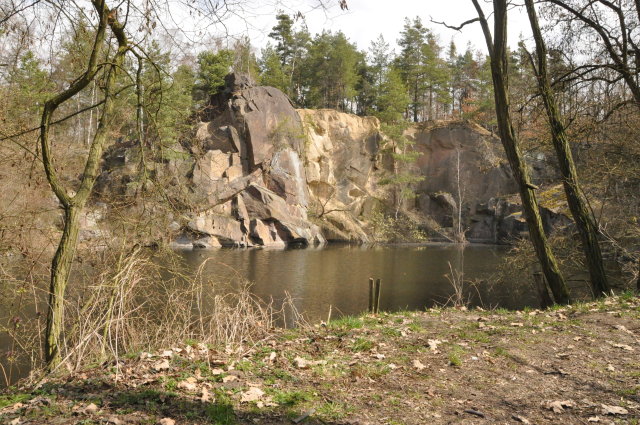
[371, 295]
[377, 297]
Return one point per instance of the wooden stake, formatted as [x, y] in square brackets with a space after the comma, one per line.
[371, 294]
[377, 297]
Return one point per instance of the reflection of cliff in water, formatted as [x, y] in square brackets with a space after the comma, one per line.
[413, 277]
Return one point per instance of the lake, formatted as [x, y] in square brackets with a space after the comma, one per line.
[413, 277]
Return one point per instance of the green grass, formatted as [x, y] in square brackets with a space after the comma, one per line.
[11, 399]
[373, 370]
[347, 322]
[455, 356]
[361, 344]
[391, 332]
[221, 412]
[291, 398]
[499, 351]
[334, 410]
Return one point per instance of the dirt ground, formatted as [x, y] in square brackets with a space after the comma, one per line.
[571, 365]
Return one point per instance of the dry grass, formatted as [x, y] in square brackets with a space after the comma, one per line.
[142, 301]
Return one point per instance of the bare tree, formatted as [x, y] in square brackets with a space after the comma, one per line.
[617, 25]
[74, 201]
[582, 215]
[497, 47]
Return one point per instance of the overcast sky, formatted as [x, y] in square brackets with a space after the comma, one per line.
[366, 19]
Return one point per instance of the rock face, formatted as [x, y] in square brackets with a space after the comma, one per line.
[250, 171]
[463, 160]
[260, 173]
[341, 167]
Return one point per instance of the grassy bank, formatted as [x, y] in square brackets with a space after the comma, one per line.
[569, 365]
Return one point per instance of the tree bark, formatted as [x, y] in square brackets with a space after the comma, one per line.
[497, 46]
[585, 221]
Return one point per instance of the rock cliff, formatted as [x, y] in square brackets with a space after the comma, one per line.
[260, 173]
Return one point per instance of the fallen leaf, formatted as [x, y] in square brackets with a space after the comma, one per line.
[162, 365]
[593, 419]
[304, 416]
[229, 378]
[305, 364]
[521, 419]
[167, 353]
[517, 324]
[558, 406]
[16, 421]
[418, 364]
[90, 409]
[252, 394]
[611, 368]
[614, 410]
[623, 329]
[623, 346]
[216, 371]
[433, 344]
[188, 384]
[167, 421]
[205, 397]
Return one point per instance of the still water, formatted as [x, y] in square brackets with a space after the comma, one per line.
[413, 277]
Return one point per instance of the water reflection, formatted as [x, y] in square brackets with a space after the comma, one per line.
[413, 277]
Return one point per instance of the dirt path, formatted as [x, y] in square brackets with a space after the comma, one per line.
[574, 365]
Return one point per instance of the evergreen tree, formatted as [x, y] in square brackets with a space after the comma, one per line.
[331, 71]
[30, 86]
[244, 60]
[366, 88]
[212, 68]
[436, 77]
[410, 63]
[394, 99]
[283, 34]
[291, 48]
[272, 71]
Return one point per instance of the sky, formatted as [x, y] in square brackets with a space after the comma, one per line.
[366, 19]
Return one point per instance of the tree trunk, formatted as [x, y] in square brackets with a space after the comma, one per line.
[584, 219]
[60, 270]
[497, 46]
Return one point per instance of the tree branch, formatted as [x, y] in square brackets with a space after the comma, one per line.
[456, 28]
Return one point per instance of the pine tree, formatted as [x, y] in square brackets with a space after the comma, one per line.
[394, 98]
[272, 71]
[410, 63]
[212, 68]
[331, 71]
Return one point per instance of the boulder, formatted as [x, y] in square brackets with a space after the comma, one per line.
[227, 230]
[266, 234]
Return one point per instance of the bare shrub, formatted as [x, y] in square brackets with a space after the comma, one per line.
[145, 301]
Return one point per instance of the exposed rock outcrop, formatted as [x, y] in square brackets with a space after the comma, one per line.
[260, 173]
[463, 163]
[341, 162]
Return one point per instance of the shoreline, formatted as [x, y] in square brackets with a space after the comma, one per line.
[569, 364]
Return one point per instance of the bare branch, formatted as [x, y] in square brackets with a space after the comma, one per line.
[456, 28]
